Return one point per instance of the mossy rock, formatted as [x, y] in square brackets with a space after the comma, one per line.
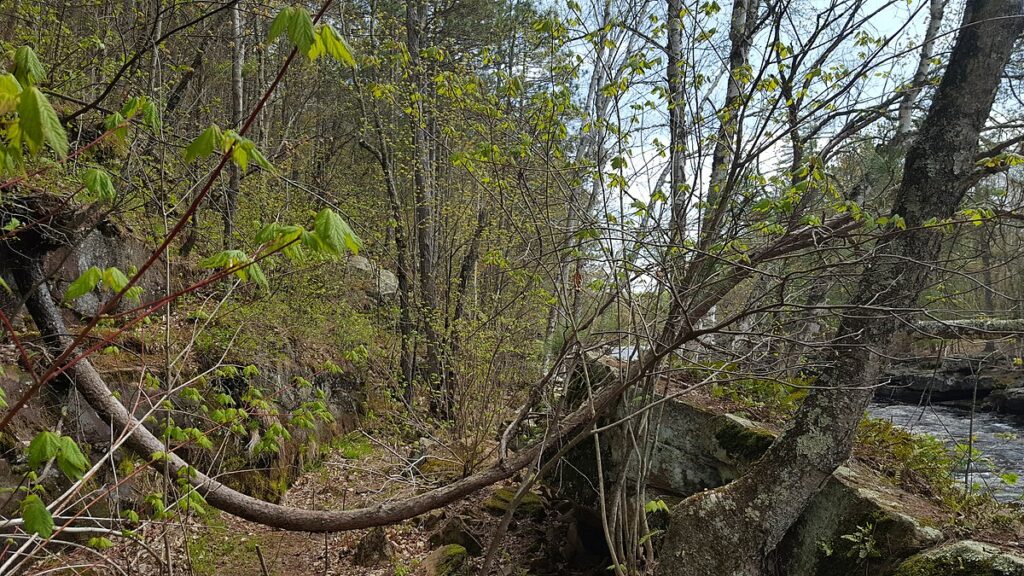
[965, 558]
[741, 440]
[450, 560]
[456, 531]
[530, 505]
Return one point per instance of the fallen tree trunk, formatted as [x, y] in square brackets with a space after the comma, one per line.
[981, 329]
[90, 384]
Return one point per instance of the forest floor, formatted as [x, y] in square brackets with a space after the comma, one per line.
[224, 545]
[370, 471]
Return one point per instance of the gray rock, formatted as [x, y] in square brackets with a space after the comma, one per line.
[455, 531]
[697, 449]
[373, 549]
[450, 560]
[1010, 401]
[104, 249]
[378, 282]
[954, 380]
[964, 558]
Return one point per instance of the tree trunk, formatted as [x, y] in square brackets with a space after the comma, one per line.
[731, 530]
[415, 22]
[237, 84]
[937, 9]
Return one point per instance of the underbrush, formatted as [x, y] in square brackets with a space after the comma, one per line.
[922, 464]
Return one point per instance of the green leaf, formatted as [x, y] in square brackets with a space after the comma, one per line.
[300, 29]
[5, 286]
[131, 107]
[39, 123]
[204, 144]
[38, 519]
[117, 124]
[260, 159]
[100, 543]
[236, 258]
[98, 182]
[43, 447]
[10, 92]
[27, 68]
[335, 45]
[225, 259]
[70, 459]
[240, 157]
[256, 275]
[281, 23]
[83, 284]
[335, 233]
[114, 279]
[151, 116]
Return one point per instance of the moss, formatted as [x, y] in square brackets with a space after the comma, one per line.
[962, 559]
[354, 446]
[220, 546]
[925, 566]
[450, 560]
[743, 442]
[530, 505]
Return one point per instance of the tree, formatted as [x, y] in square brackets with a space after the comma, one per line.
[732, 529]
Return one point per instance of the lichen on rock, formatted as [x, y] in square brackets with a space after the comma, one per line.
[498, 503]
[964, 558]
[450, 560]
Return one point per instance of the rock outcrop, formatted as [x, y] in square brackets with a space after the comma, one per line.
[964, 558]
[992, 380]
[858, 524]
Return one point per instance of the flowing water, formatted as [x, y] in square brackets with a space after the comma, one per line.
[998, 437]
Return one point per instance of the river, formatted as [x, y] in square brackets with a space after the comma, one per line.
[999, 438]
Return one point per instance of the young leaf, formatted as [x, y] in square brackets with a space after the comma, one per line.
[117, 124]
[336, 46]
[70, 459]
[38, 519]
[204, 145]
[43, 447]
[114, 279]
[99, 184]
[281, 24]
[335, 233]
[83, 284]
[256, 275]
[27, 68]
[5, 287]
[39, 123]
[240, 157]
[151, 116]
[225, 259]
[10, 91]
[100, 543]
[300, 29]
[131, 107]
[260, 160]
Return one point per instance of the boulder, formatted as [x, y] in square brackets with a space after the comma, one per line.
[377, 282]
[858, 524]
[955, 378]
[964, 558]
[373, 549]
[105, 247]
[450, 560]
[455, 531]
[1010, 401]
[498, 503]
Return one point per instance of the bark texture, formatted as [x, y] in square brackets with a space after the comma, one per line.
[732, 529]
